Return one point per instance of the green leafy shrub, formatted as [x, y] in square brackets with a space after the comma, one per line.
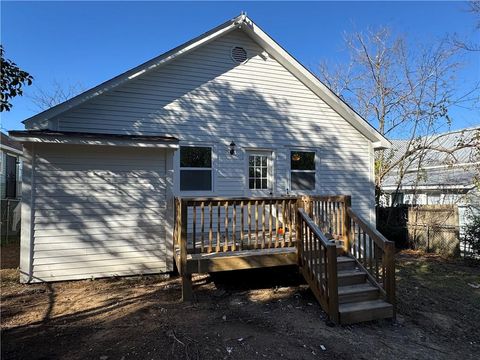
[471, 236]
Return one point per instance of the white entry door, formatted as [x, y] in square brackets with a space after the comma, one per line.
[259, 173]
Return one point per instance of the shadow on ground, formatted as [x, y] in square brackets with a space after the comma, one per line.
[267, 313]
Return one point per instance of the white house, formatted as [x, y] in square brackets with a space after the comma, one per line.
[229, 113]
[10, 168]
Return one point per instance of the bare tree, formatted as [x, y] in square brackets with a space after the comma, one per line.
[405, 94]
[57, 93]
[473, 8]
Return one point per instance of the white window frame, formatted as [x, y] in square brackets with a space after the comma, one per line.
[270, 172]
[317, 166]
[177, 169]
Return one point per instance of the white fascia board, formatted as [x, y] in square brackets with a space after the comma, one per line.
[129, 75]
[315, 85]
[98, 142]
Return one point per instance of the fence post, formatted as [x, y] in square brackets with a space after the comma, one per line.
[389, 259]
[332, 283]
[7, 225]
[187, 290]
[347, 228]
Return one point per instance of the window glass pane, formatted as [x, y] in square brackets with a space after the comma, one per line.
[303, 181]
[257, 160]
[200, 157]
[300, 160]
[258, 184]
[251, 172]
[264, 161]
[196, 180]
[251, 184]
[264, 183]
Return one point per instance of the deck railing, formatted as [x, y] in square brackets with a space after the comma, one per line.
[224, 224]
[317, 258]
[373, 252]
[207, 225]
[328, 212]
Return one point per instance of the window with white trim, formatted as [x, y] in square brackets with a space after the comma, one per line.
[302, 170]
[195, 168]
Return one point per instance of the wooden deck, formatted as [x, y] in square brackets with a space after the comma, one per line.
[239, 260]
[348, 265]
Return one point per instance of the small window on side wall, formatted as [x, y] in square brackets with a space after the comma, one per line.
[302, 167]
[195, 168]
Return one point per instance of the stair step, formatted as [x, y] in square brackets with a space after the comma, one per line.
[351, 277]
[357, 293]
[345, 263]
[365, 311]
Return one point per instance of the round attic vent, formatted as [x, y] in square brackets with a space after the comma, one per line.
[239, 54]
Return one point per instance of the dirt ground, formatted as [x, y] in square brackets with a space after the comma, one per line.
[262, 314]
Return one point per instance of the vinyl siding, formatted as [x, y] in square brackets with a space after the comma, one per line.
[98, 211]
[206, 98]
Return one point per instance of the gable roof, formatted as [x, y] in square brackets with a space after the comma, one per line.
[264, 40]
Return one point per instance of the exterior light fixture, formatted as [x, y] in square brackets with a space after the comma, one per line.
[232, 148]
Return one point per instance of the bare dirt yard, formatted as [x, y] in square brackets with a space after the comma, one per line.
[263, 314]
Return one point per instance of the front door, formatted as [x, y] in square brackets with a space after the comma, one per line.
[259, 173]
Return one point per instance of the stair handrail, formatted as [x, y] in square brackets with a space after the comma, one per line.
[318, 270]
[357, 227]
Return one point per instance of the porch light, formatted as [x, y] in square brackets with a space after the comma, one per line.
[232, 148]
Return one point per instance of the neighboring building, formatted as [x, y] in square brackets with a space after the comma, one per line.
[229, 113]
[442, 178]
[10, 187]
[10, 167]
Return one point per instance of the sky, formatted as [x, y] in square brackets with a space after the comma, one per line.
[86, 43]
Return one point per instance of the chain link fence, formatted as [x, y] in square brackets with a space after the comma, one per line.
[10, 220]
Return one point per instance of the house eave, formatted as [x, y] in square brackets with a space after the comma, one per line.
[428, 187]
[10, 149]
[273, 48]
[136, 71]
[77, 138]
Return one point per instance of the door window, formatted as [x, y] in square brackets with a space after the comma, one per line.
[259, 168]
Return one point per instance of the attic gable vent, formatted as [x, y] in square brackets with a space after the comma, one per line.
[239, 54]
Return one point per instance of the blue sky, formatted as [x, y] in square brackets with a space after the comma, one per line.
[90, 42]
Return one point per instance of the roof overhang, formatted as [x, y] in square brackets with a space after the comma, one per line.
[264, 40]
[428, 187]
[84, 138]
[10, 149]
[314, 84]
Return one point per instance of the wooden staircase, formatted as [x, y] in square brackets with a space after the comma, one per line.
[353, 277]
[359, 300]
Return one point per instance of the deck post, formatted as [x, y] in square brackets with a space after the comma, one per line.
[332, 283]
[389, 259]
[298, 231]
[346, 226]
[187, 290]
